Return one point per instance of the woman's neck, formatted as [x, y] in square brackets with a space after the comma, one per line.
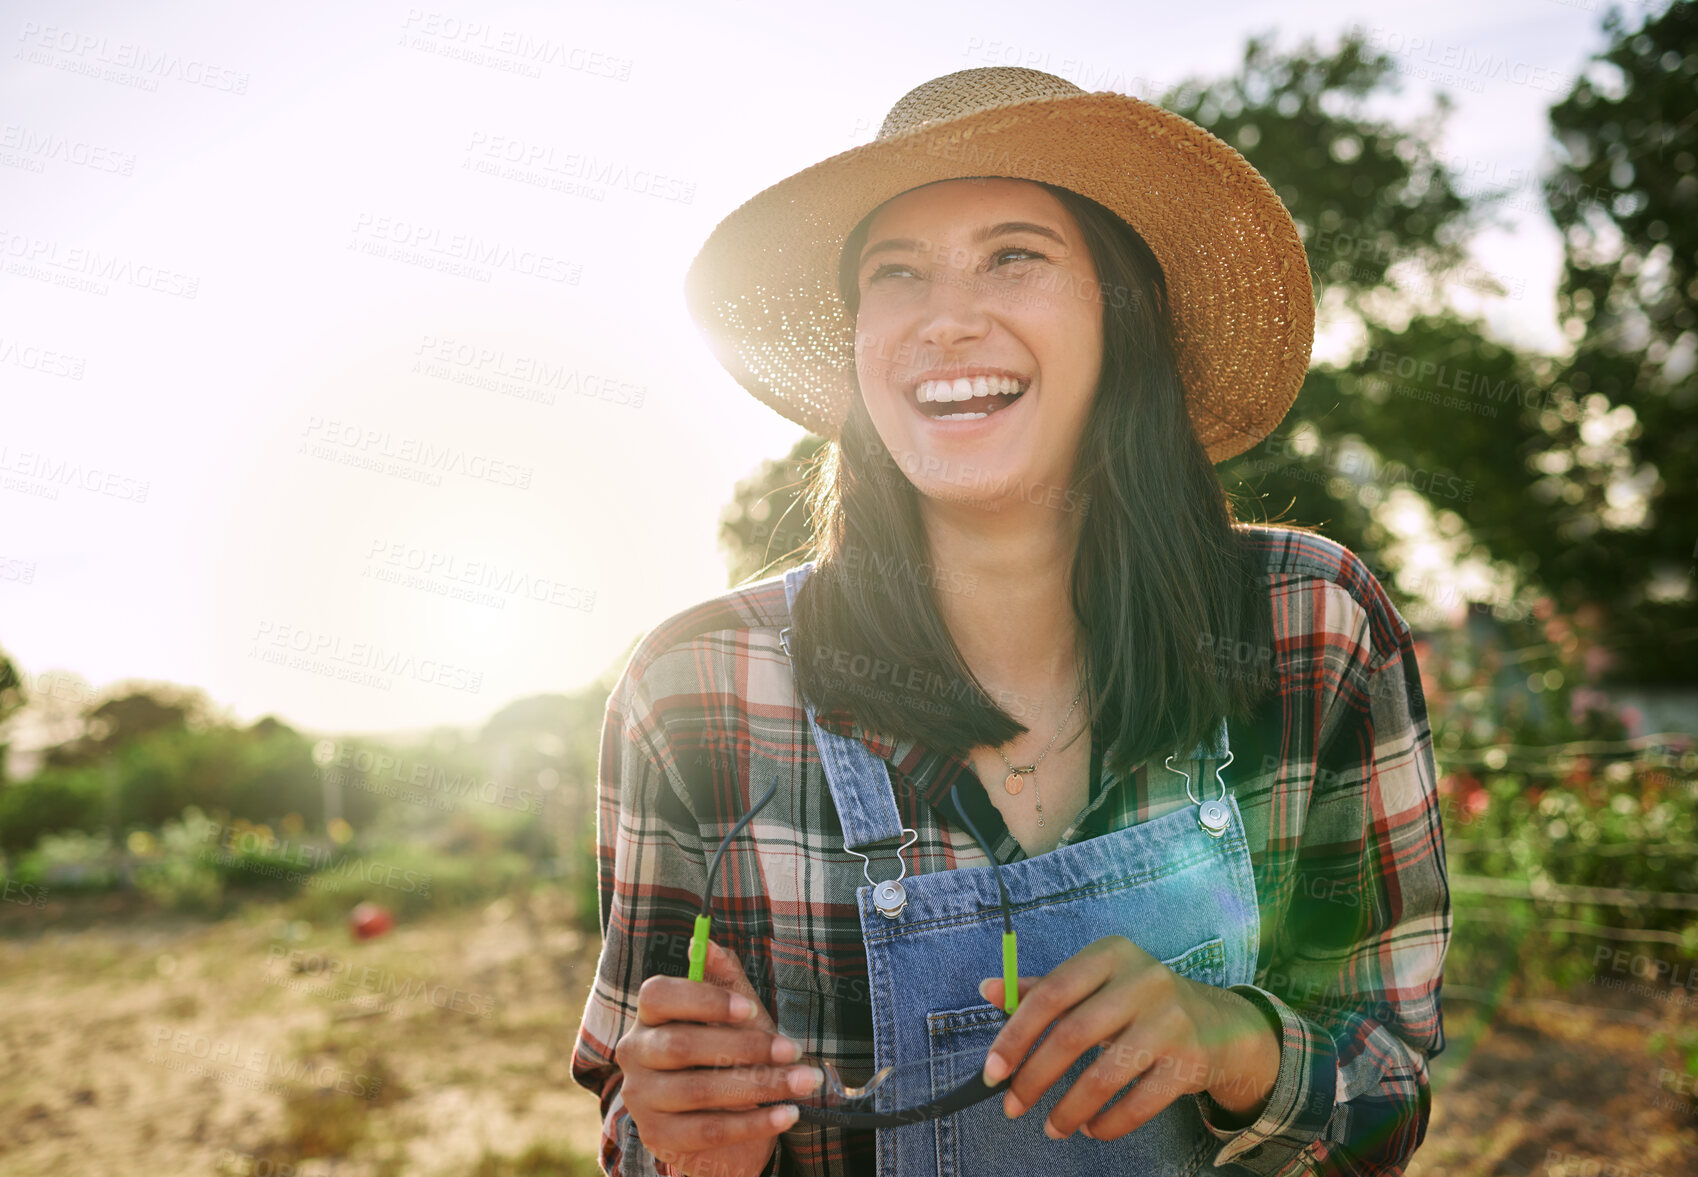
[1007, 599]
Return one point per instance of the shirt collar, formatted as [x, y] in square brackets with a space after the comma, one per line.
[935, 771]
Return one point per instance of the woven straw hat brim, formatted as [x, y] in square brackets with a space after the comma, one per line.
[763, 288]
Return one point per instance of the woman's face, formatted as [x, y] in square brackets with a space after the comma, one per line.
[986, 281]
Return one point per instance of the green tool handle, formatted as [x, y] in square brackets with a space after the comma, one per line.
[1010, 973]
[698, 948]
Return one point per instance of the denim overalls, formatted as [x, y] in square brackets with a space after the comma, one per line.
[1182, 894]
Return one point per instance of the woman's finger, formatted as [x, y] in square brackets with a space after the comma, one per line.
[695, 1132]
[678, 1045]
[1054, 994]
[723, 970]
[1098, 1019]
[665, 999]
[1143, 1053]
[728, 1088]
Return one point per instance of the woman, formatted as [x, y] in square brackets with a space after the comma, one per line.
[1029, 319]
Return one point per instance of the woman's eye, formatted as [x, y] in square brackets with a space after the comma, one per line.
[1030, 253]
[885, 269]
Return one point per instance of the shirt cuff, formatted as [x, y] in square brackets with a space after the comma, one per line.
[1301, 1103]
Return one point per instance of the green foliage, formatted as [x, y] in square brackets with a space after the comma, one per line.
[225, 769]
[584, 885]
[1543, 784]
[765, 526]
[538, 1160]
[12, 694]
[1365, 194]
[410, 880]
[178, 874]
[72, 861]
[54, 801]
[1625, 198]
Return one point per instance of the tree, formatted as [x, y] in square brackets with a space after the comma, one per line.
[765, 526]
[1533, 475]
[1621, 478]
[130, 712]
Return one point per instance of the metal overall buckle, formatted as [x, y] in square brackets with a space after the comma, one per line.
[1212, 816]
[889, 896]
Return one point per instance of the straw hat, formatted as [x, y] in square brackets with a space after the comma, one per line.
[764, 291]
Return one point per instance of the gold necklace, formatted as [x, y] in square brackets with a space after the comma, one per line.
[1014, 784]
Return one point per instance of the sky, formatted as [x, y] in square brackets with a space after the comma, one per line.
[267, 432]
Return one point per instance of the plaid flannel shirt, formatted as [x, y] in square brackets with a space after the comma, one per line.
[1335, 780]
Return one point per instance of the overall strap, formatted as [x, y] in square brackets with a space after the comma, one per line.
[860, 781]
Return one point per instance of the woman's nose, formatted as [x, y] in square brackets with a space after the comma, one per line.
[952, 310]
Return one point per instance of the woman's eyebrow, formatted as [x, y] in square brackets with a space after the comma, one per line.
[979, 236]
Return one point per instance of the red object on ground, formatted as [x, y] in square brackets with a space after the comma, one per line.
[369, 920]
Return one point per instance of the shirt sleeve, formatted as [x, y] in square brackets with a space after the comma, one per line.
[1353, 982]
[651, 872]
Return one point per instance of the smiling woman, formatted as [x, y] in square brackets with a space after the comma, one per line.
[1043, 775]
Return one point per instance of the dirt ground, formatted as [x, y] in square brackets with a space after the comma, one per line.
[142, 1044]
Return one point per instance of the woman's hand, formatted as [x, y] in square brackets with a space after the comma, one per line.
[1172, 1034]
[706, 1121]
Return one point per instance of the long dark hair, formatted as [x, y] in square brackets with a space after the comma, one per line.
[1176, 611]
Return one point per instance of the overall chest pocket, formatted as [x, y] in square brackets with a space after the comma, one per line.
[980, 1141]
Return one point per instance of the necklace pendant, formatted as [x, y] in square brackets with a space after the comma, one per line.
[1014, 783]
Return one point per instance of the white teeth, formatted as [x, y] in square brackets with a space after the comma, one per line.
[960, 416]
[941, 391]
